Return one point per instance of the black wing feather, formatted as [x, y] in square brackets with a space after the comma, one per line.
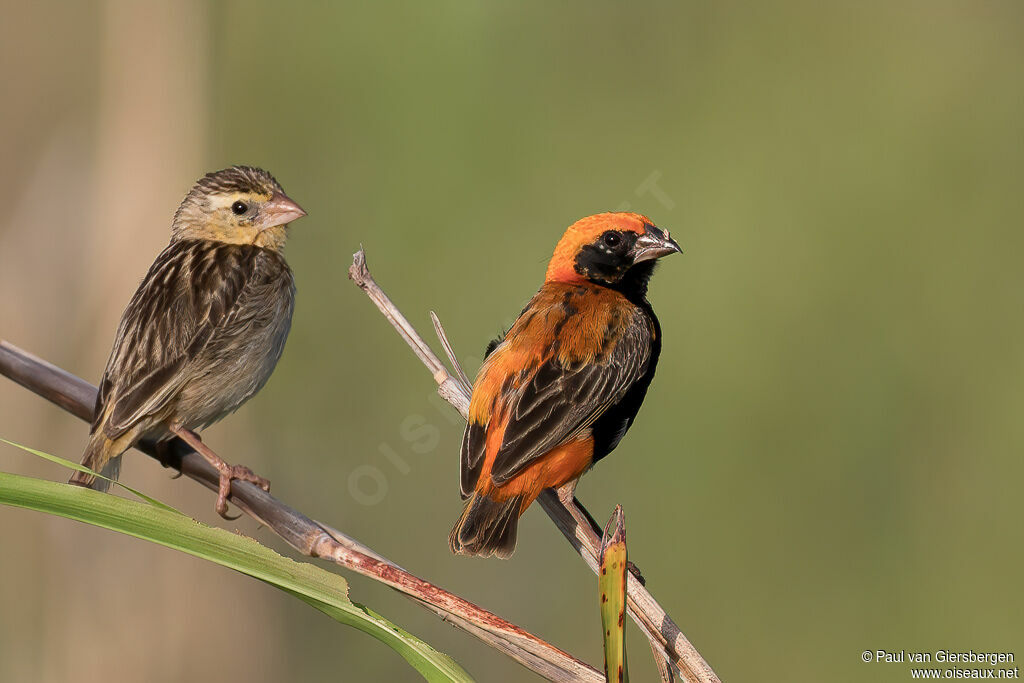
[472, 456]
[561, 402]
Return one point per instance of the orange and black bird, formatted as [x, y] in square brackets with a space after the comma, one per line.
[205, 328]
[559, 391]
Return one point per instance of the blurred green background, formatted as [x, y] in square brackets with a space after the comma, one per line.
[829, 460]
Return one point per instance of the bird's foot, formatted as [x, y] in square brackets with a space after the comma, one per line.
[567, 493]
[587, 529]
[635, 571]
[225, 471]
[227, 474]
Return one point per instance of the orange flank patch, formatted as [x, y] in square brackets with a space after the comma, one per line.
[558, 466]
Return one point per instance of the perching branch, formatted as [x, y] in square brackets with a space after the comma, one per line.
[78, 397]
[660, 629]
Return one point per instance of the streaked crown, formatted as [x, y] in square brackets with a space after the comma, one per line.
[237, 205]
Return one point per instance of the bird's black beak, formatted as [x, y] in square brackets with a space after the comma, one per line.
[654, 243]
[278, 211]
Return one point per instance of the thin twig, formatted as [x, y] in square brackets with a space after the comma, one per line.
[448, 351]
[78, 397]
[660, 629]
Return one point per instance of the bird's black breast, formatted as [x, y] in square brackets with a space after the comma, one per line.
[609, 429]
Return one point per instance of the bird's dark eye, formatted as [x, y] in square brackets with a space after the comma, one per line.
[238, 208]
[611, 239]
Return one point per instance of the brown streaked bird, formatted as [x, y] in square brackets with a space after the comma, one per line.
[205, 328]
[559, 391]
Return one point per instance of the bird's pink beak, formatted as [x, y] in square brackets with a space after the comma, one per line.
[279, 211]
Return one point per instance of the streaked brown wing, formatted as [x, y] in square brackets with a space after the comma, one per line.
[190, 290]
[560, 402]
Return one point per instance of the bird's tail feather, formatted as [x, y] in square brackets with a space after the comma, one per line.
[101, 455]
[487, 527]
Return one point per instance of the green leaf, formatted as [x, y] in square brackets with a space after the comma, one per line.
[612, 584]
[82, 468]
[324, 590]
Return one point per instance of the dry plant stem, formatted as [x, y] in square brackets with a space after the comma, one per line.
[660, 629]
[78, 397]
[664, 667]
[584, 537]
[448, 351]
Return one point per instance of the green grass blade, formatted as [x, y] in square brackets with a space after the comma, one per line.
[324, 590]
[612, 584]
[82, 468]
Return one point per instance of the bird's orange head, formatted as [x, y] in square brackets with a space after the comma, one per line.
[605, 247]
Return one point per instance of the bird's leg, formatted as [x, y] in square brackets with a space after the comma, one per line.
[586, 525]
[227, 472]
[589, 526]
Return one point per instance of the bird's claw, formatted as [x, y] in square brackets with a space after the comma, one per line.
[242, 473]
[635, 571]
